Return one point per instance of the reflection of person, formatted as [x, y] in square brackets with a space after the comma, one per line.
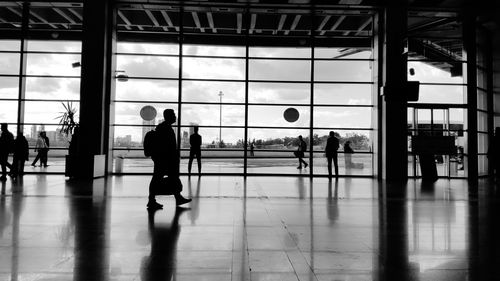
[6, 147]
[166, 160]
[348, 154]
[21, 154]
[494, 152]
[161, 262]
[332, 145]
[300, 152]
[42, 148]
[195, 142]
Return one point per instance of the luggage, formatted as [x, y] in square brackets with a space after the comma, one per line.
[167, 186]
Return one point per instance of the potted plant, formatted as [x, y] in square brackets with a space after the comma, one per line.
[69, 129]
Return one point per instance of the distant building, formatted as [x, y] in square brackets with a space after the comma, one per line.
[34, 132]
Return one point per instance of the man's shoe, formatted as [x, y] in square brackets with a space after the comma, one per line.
[182, 201]
[299, 167]
[305, 165]
[3, 178]
[154, 205]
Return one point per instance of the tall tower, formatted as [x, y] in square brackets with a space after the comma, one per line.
[147, 126]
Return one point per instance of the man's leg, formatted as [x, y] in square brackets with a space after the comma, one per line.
[198, 160]
[190, 163]
[158, 173]
[336, 164]
[329, 162]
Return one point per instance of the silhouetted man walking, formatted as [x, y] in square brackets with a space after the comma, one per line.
[332, 145]
[195, 142]
[6, 147]
[166, 160]
[300, 152]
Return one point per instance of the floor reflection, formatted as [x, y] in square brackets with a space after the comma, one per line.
[249, 229]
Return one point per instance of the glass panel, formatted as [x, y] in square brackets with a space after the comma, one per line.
[343, 71]
[360, 140]
[130, 137]
[54, 46]
[56, 138]
[53, 88]
[282, 93]
[482, 121]
[281, 70]
[8, 111]
[273, 116]
[129, 113]
[348, 164]
[482, 79]
[441, 94]
[147, 48]
[342, 117]
[213, 68]
[148, 90]
[482, 165]
[148, 66]
[273, 151]
[482, 101]
[232, 138]
[266, 52]
[350, 94]
[208, 91]
[427, 73]
[219, 51]
[10, 45]
[344, 53]
[40, 112]
[482, 143]
[9, 63]
[457, 117]
[52, 64]
[410, 118]
[9, 87]
[209, 114]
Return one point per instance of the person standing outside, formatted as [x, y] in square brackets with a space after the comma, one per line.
[332, 145]
[166, 160]
[45, 150]
[300, 152]
[6, 147]
[195, 150]
[40, 147]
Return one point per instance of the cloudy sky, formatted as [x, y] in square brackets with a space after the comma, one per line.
[141, 92]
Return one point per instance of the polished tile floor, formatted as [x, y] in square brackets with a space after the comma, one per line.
[261, 228]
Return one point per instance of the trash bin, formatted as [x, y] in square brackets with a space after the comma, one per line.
[119, 165]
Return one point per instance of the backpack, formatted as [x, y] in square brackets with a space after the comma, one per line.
[150, 143]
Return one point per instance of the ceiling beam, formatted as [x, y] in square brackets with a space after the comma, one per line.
[2, 20]
[211, 22]
[253, 21]
[281, 23]
[125, 20]
[64, 15]
[75, 13]
[154, 20]
[294, 24]
[239, 23]
[197, 21]
[323, 23]
[335, 25]
[365, 24]
[168, 20]
[40, 18]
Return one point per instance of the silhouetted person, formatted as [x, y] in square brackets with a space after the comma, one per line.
[161, 262]
[195, 150]
[494, 153]
[332, 145]
[166, 160]
[21, 154]
[42, 148]
[43, 161]
[300, 152]
[6, 147]
[252, 147]
[348, 154]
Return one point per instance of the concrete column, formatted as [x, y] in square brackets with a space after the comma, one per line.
[393, 134]
[98, 42]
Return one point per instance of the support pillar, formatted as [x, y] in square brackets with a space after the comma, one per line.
[98, 43]
[394, 105]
